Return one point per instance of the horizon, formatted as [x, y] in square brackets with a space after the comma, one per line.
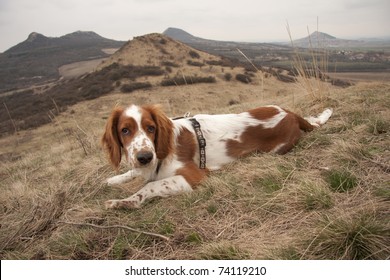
[246, 21]
[385, 38]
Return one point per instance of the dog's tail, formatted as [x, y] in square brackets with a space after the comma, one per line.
[308, 123]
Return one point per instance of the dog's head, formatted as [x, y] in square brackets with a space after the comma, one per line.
[143, 133]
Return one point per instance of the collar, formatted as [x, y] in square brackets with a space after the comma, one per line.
[201, 142]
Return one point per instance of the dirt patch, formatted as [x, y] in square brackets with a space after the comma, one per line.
[77, 69]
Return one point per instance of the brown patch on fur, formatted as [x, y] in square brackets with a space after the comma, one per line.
[192, 173]
[186, 146]
[304, 124]
[287, 133]
[164, 131]
[263, 113]
[110, 139]
[186, 149]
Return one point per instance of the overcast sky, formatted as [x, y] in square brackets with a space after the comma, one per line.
[238, 20]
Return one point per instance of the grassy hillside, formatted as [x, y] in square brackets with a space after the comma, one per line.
[327, 199]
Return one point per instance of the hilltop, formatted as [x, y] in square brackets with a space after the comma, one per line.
[323, 40]
[38, 58]
[180, 35]
[157, 49]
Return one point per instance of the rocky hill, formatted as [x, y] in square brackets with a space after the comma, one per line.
[38, 58]
[185, 37]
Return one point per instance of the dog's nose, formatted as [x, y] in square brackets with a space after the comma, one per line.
[144, 157]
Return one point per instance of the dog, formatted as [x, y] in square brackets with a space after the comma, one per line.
[175, 155]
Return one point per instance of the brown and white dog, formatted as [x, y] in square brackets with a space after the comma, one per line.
[166, 152]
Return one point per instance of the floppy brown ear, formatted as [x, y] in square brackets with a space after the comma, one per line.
[164, 132]
[110, 139]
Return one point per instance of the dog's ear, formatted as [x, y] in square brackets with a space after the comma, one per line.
[164, 131]
[110, 139]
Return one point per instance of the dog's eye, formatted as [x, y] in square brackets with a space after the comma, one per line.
[151, 129]
[125, 131]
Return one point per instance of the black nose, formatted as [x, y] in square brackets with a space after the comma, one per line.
[144, 157]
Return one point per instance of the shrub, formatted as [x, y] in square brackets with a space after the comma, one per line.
[350, 238]
[341, 181]
[243, 78]
[187, 80]
[169, 64]
[215, 62]
[194, 54]
[126, 88]
[195, 63]
[228, 77]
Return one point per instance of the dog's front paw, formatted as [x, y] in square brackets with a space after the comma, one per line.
[111, 204]
[121, 204]
[113, 181]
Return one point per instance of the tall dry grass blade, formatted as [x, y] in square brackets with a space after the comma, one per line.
[309, 75]
[257, 71]
[10, 117]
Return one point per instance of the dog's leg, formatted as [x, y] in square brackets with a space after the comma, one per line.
[123, 178]
[163, 188]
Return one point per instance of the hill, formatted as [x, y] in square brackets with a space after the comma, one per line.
[38, 58]
[182, 36]
[323, 40]
[142, 63]
[157, 50]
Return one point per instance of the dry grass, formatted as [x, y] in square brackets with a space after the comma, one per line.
[261, 207]
[311, 69]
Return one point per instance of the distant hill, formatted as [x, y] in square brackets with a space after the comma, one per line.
[226, 48]
[181, 35]
[321, 40]
[38, 58]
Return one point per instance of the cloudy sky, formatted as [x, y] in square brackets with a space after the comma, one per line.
[242, 20]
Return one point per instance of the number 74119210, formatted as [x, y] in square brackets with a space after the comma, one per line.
[245, 270]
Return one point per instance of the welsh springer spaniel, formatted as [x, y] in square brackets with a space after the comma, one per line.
[166, 152]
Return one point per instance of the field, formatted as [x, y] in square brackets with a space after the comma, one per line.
[327, 199]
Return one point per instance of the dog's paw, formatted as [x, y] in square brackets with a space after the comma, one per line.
[121, 204]
[111, 204]
[113, 181]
